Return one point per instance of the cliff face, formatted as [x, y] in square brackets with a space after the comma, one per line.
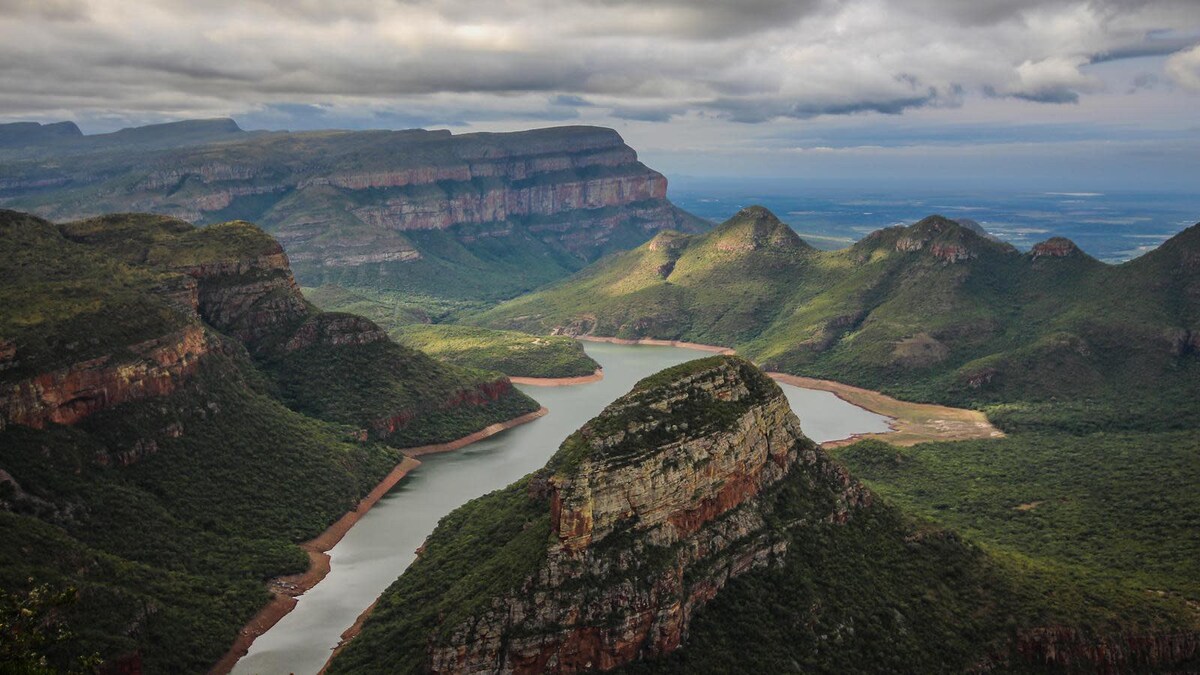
[653, 509]
[339, 201]
[1069, 649]
[228, 279]
[69, 394]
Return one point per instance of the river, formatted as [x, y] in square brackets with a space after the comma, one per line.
[383, 543]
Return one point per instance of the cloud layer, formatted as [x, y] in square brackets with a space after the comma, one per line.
[465, 61]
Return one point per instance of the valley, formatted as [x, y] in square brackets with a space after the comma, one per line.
[385, 540]
[1021, 422]
[645, 338]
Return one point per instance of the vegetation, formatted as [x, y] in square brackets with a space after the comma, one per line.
[877, 593]
[480, 551]
[30, 627]
[1091, 369]
[169, 554]
[1110, 508]
[407, 322]
[510, 352]
[364, 385]
[894, 313]
[168, 512]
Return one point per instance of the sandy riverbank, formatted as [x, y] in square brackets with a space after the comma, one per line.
[475, 437]
[660, 343]
[911, 423]
[287, 588]
[559, 381]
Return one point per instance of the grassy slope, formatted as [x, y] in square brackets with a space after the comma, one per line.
[510, 352]
[904, 322]
[170, 552]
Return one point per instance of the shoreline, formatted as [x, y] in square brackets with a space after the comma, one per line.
[559, 381]
[910, 423]
[490, 430]
[658, 343]
[286, 589]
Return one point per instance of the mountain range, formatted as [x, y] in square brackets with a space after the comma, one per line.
[470, 217]
[933, 311]
[177, 414]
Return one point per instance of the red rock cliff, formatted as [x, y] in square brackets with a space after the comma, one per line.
[69, 394]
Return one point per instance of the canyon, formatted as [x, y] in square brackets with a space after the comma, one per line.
[164, 392]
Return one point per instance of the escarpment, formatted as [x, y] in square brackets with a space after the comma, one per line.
[191, 286]
[366, 207]
[639, 520]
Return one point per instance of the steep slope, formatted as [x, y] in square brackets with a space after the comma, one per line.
[721, 287]
[463, 217]
[161, 448]
[931, 311]
[691, 528]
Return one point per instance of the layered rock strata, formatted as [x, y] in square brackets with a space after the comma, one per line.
[346, 199]
[654, 507]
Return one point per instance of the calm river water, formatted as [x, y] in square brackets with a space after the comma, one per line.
[382, 544]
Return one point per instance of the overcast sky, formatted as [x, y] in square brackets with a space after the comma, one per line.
[1101, 90]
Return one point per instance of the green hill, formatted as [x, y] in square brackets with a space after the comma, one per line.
[175, 418]
[933, 311]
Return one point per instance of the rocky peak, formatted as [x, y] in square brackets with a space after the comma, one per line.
[756, 228]
[944, 239]
[1055, 247]
[655, 505]
[680, 449]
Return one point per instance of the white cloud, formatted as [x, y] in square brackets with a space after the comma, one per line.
[1184, 68]
[747, 60]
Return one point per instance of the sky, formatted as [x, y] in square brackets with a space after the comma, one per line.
[1086, 94]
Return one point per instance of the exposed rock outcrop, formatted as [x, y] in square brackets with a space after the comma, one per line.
[1069, 649]
[653, 509]
[1055, 247]
[68, 395]
[346, 199]
[248, 297]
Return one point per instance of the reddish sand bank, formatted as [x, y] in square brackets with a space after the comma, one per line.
[911, 423]
[477, 436]
[287, 588]
[660, 343]
[559, 381]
